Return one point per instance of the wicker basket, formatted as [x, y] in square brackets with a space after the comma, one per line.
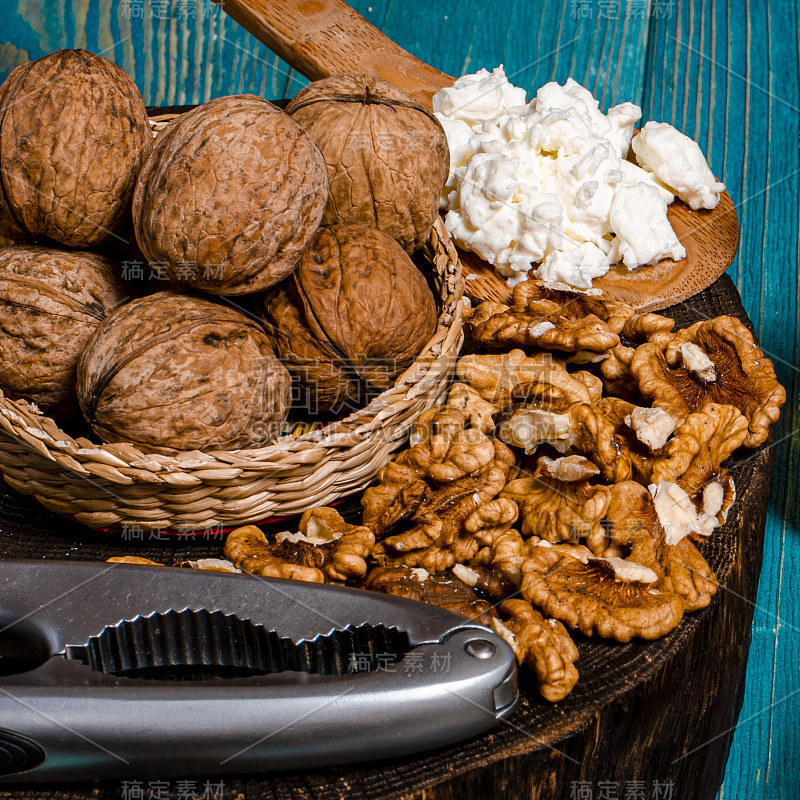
[117, 484]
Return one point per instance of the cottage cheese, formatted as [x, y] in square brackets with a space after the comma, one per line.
[543, 189]
[643, 233]
[479, 98]
[501, 218]
[678, 161]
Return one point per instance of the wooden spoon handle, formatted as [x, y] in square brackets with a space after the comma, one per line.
[321, 37]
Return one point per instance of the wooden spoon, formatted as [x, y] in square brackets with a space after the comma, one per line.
[322, 37]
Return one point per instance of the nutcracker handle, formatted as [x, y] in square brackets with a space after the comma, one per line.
[321, 37]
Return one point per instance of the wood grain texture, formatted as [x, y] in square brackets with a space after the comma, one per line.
[725, 72]
[321, 37]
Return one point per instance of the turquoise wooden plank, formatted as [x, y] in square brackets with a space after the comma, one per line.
[211, 55]
[177, 51]
[726, 73]
[595, 43]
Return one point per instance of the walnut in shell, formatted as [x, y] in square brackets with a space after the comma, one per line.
[229, 196]
[171, 372]
[51, 301]
[73, 136]
[387, 156]
[353, 316]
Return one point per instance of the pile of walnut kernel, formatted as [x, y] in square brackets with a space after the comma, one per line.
[564, 483]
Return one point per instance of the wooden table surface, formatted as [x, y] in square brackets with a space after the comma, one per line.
[726, 73]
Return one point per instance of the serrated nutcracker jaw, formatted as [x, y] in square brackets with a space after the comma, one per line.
[127, 660]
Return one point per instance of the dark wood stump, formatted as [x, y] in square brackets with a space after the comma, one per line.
[641, 713]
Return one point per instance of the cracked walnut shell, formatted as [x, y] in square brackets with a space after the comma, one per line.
[51, 301]
[170, 372]
[229, 196]
[634, 525]
[74, 134]
[387, 156]
[351, 319]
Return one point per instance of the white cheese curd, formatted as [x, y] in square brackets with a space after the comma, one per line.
[678, 161]
[643, 233]
[547, 183]
[622, 118]
[559, 131]
[458, 135]
[497, 218]
[585, 184]
[479, 97]
[575, 265]
[553, 96]
[631, 174]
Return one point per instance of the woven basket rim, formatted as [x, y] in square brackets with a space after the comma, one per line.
[41, 427]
